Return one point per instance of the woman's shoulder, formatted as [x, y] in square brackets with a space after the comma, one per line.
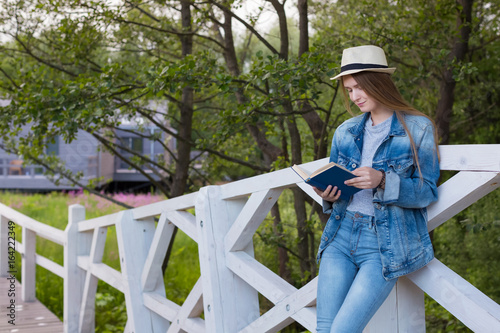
[418, 121]
[351, 122]
[343, 128]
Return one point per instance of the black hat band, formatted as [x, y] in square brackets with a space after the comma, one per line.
[360, 66]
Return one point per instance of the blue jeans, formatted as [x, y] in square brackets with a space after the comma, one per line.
[350, 284]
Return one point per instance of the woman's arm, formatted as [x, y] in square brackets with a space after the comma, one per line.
[366, 178]
[329, 194]
[414, 192]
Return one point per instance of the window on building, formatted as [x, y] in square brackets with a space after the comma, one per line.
[53, 146]
[131, 143]
[134, 144]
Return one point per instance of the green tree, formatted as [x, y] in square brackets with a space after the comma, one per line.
[85, 65]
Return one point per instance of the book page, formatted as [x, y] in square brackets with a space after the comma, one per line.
[326, 167]
[323, 168]
[300, 172]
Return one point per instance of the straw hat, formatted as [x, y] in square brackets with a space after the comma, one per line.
[363, 58]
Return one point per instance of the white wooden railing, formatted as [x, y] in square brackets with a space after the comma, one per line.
[225, 220]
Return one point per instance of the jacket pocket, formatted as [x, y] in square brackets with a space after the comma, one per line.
[347, 162]
[402, 166]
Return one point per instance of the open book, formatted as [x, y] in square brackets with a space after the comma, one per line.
[330, 174]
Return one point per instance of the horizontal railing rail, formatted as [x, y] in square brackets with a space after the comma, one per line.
[9, 241]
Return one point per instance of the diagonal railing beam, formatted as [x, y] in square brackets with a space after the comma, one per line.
[87, 318]
[184, 202]
[250, 218]
[476, 310]
[184, 221]
[259, 277]
[271, 286]
[294, 307]
[161, 305]
[189, 307]
[152, 273]
[458, 193]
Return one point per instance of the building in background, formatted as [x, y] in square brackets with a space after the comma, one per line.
[85, 155]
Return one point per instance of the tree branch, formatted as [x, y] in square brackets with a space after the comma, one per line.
[130, 151]
[120, 20]
[248, 26]
[143, 11]
[10, 79]
[110, 147]
[28, 52]
[148, 137]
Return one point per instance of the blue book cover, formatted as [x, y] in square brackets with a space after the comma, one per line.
[331, 174]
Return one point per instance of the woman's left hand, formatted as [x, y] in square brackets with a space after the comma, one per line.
[366, 178]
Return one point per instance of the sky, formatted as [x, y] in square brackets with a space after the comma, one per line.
[268, 19]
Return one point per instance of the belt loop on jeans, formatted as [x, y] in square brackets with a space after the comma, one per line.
[366, 218]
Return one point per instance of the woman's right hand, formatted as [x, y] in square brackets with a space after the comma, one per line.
[330, 194]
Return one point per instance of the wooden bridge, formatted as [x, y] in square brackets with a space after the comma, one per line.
[225, 220]
[24, 316]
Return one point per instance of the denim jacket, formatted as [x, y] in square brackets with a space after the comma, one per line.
[400, 208]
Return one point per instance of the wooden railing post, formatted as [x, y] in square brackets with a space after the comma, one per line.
[402, 311]
[28, 266]
[75, 244]
[229, 303]
[134, 240]
[4, 246]
[411, 307]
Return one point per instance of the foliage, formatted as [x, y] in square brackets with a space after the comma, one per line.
[73, 69]
[438, 320]
[111, 314]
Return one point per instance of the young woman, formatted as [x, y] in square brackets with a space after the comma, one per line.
[380, 233]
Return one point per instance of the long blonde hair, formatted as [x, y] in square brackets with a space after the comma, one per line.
[381, 88]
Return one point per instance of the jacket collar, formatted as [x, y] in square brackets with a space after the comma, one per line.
[396, 129]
